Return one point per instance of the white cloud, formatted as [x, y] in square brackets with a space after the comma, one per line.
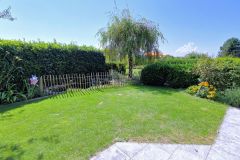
[187, 48]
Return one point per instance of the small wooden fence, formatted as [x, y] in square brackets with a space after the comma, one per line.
[55, 84]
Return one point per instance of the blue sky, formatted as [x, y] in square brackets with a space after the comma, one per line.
[200, 25]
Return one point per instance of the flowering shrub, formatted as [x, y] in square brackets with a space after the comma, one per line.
[203, 90]
[223, 73]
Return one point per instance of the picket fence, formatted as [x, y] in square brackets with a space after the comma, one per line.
[56, 84]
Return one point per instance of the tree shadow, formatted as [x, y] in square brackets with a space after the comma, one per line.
[77, 92]
[8, 107]
[11, 152]
[156, 89]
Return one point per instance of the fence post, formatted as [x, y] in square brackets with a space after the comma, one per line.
[41, 86]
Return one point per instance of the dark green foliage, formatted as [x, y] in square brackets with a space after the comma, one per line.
[181, 78]
[230, 48]
[230, 96]
[52, 58]
[155, 74]
[120, 67]
[176, 73]
[223, 73]
[10, 71]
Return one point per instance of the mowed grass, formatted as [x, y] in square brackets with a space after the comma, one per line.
[76, 126]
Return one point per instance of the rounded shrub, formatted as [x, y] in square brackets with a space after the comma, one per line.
[155, 74]
[168, 74]
[181, 78]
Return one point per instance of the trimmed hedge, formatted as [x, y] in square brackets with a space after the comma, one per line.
[39, 58]
[175, 73]
[53, 58]
[223, 73]
[155, 74]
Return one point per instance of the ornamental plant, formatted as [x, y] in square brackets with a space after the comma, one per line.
[203, 90]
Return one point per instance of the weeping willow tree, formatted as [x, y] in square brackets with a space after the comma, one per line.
[129, 36]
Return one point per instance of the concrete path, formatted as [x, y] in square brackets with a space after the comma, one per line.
[226, 146]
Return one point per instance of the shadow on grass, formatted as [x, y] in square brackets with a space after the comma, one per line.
[16, 151]
[156, 89]
[6, 107]
[76, 92]
[11, 152]
[82, 92]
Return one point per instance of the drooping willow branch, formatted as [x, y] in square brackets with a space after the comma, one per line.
[6, 14]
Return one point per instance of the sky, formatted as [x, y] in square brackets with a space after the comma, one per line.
[188, 25]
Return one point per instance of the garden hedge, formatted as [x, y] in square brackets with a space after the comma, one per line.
[175, 73]
[41, 58]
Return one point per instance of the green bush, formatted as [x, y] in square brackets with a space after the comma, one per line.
[180, 77]
[223, 73]
[230, 96]
[155, 74]
[120, 67]
[170, 73]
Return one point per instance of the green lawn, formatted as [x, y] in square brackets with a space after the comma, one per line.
[76, 126]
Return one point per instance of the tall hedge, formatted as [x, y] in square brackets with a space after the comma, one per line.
[40, 58]
[176, 73]
[53, 58]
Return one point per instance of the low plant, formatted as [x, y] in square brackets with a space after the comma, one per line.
[203, 90]
[10, 95]
[9, 69]
[230, 96]
[31, 88]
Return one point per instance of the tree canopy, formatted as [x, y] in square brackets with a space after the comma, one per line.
[230, 48]
[129, 36]
[196, 55]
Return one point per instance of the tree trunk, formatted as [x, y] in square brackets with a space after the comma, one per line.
[130, 65]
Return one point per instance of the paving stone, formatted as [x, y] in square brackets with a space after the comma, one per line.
[112, 153]
[228, 147]
[233, 116]
[191, 152]
[229, 132]
[130, 148]
[221, 155]
[152, 152]
[170, 148]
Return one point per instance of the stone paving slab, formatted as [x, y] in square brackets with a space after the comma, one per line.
[226, 146]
